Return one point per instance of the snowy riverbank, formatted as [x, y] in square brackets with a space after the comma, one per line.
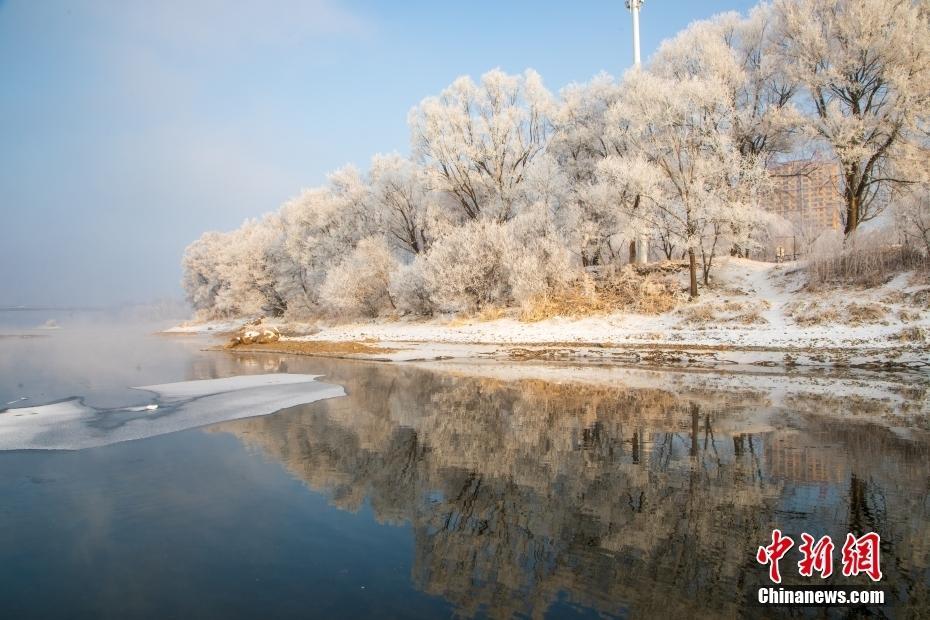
[757, 314]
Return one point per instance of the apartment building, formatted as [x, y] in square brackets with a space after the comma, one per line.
[807, 194]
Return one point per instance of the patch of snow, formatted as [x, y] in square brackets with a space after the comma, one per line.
[143, 408]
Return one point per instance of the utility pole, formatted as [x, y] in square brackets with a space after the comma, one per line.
[642, 246]
[634, 6]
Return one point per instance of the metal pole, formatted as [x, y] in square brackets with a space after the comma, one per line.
[634, 8]
[642, 245]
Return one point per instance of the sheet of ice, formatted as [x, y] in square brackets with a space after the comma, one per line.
[72, 425]
[190, 389]
[197, 327]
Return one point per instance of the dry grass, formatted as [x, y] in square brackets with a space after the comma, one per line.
[912, 334]
[810, 313]
[752, 317]
[919, 299]
[868, 266]
[622, 289]
[725, 312]
[865, 313]
[895, 297]
[700, 314]
[488, 313]
[491, 313]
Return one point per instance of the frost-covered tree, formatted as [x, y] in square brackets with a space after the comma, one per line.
[360, 283]
[549, 201]
[248, 265]
[466, 269]
[203, 273]
[320, 227]
[865, 69]
[538, 261]
[579, 139]
[400, 199]
[912, 214]
[410, 289]
[509, 193]
[485, 263]
[579, 144]
[299, 273]
[619, 194]
[477, 140]
[683, 162]
[742, 55]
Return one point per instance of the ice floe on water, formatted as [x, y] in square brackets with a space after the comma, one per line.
[72, 425]
[191, 389]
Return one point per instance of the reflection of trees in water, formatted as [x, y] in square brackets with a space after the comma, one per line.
[888, 491]
[523, 493]
[855, 475]
[213, 366]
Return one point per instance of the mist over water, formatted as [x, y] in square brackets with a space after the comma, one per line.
[87, 355]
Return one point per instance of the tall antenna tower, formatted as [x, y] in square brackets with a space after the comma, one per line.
[642, 245]
[634, 6]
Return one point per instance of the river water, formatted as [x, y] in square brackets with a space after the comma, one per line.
[454, 489]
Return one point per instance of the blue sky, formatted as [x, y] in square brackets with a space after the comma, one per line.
[128, 127]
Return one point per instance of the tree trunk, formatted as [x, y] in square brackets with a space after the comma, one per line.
[669, 250]
[852, 207]
[632, 252]
[692, 268]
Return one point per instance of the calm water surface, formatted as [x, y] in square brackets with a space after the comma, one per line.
[432, 493]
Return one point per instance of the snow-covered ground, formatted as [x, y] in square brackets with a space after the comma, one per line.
[753, 307]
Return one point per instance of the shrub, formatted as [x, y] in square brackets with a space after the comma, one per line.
[467, 268]
[538, 261]
[912, 334]
[611, 291]
[866, 260]
[410, 290]
[810, 313]
[360, 283]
